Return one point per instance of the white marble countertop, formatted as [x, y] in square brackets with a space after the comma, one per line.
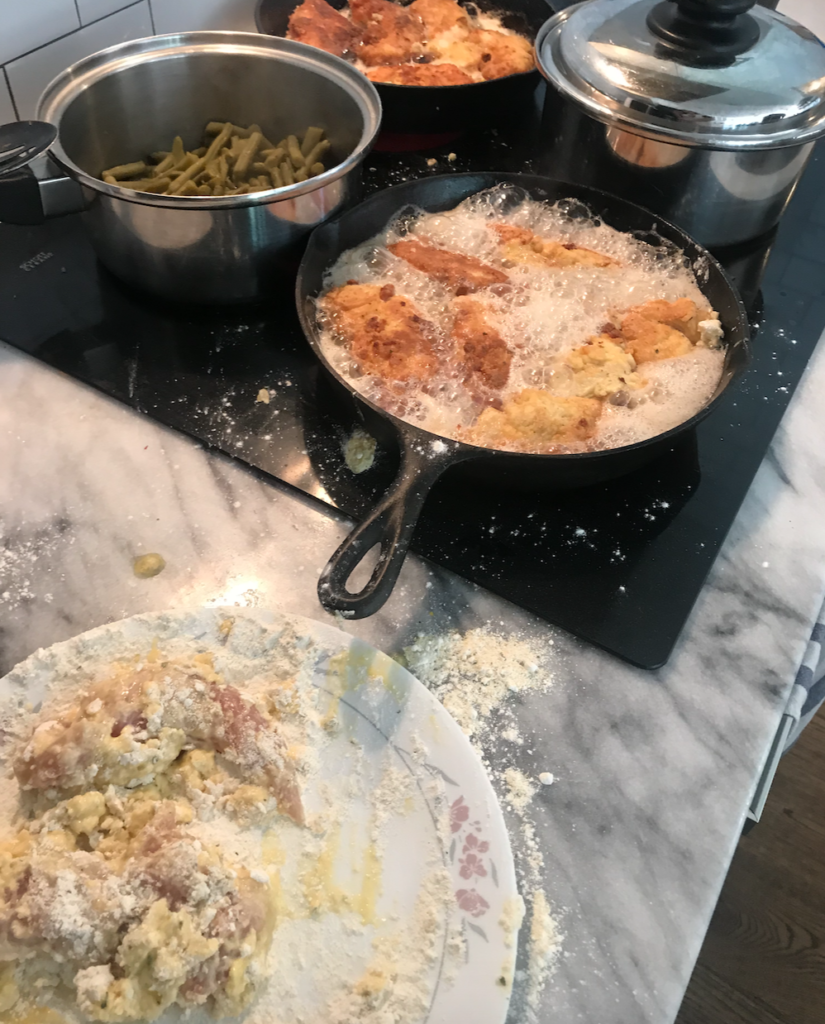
[654, 771]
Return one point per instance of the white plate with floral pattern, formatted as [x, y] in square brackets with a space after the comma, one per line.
[389, 759]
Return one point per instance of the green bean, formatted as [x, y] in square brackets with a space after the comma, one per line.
[199, 165]
[311, 139]
[166, 164]
[191, 172]
[127, 170]
[146, 184]
[275, 158]
[234, 161]
[318, 151]
[246, 156]
[187, 161]
[294, 151]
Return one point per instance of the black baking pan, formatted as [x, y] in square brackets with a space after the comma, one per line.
[417, 109]
[426, 456]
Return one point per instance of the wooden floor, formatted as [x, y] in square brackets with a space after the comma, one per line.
[763, 961]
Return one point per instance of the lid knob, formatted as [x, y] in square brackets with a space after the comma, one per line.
[704, 32]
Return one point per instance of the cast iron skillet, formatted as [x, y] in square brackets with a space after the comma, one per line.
[432, 109]
[426, 456]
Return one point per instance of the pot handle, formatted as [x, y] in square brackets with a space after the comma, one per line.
[26, 198]
[391, 524]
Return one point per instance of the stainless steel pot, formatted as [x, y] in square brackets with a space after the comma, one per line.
[704, 111]
[132, 99]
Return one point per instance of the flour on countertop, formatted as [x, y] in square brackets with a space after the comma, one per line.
[520, 790]
[473, 673]
[544, 948]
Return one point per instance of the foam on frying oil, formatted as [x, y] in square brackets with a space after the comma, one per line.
[548, 312]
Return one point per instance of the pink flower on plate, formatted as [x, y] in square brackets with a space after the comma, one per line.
[459, 814]
[472, 865]
[472, 902]
[472, 843]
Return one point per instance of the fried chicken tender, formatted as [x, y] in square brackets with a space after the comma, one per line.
[534, 420]
[440, 16]
[420, 74]
[596, 370]
[463, 274]
[460, 52]
[388, 337]
[502, 54]
[484, 353]
[649, 341]
[520, 245]
[682, 315]
[318, 24]
[392, 34]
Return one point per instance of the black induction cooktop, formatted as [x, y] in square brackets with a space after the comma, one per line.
[619, 565]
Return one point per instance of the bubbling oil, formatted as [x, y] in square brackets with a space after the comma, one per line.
[547, 312]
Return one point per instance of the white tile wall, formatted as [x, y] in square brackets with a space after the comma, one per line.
[92, 10]
[39, 38]
[810, 13]
[29, 75]
[25, 25]
[6, 106]
[183, 15]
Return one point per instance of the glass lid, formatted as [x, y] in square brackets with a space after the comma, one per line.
[708, 72]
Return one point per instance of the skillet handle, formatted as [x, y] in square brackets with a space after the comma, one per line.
[391, 524]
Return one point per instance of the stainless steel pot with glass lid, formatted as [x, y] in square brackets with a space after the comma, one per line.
[123, 103]
[705, 111]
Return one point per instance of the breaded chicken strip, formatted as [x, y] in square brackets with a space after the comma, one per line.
[420, 74]
[391, 34]
[523, 246]
[460, 52]
[648, 341]
[596, 370]
[387, 335]
[534, 420]
[479, 346]
[682, 315]
[462, 273]
[501, 54]
[318, 24]
[440, 16]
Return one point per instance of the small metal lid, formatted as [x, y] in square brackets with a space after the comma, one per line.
[619, 60]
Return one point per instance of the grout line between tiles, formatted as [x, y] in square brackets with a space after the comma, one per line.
[135, 3]
[152, 18]
[11, 94]
[79, 19]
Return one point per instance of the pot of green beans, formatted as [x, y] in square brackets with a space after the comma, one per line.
[202, 160]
